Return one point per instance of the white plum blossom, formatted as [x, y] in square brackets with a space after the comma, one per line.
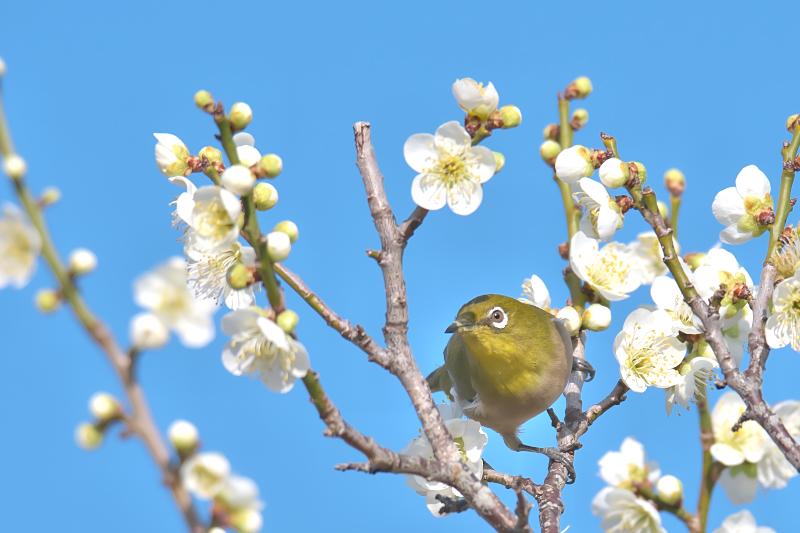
[783, 325]
[650, 257]
[647, 351]
[259, 347]
[610, 270]
[667, 296]
[451, 170]
[574, 163]
[205, 474]
[740, 483]
[723, 267]
[627, 466]
[213, 213]
[245, 149]
[240, 499]
[747, 209]
[622, 512]
[20, 244]
[693, 377]
[476, 99]
[774, 470]
[163, 292]
[207, 273]
[731, 448]
[742, 522]
[470, 440]
[736, 335]
[171, 156]
[601, 214]
[535, 293]
[147, 331]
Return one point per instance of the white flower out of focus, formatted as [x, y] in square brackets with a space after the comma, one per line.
[627, 466]
[740, 208]
[104, 407]
[742, 522]
[622, 512]
[476, 99]
[212, 212]
[574, 163]
[19, 248]
[774, 470]
[240, 498]
[610, 270]
[693, 378]
[163, 292]
[245, 149]
[736, 335]
[259, 347]
[451, 170]
[82, 261]
[535, 293]
[723, 267]
[207, 273]
[667, 296]
[470, 440]
[730, 448]
[647, 351]
[147, 331]
[171, 156]
[205, 474]
[601, 214]
[183, 435]
[650, 257]
[783, 325]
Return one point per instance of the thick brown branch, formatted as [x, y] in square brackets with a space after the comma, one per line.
[757, 341]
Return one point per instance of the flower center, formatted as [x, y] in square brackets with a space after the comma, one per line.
[645, 359]
[608, 270]
[206, 478]
[788, 315]
[451, 167]
[173, 302]
[210, 274]
[18, 246]
[211, 219]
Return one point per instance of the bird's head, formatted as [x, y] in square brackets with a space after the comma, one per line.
[492, 314]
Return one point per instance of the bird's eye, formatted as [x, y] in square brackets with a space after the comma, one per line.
[498, 317]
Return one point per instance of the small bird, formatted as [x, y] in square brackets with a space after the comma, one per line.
[507, 361]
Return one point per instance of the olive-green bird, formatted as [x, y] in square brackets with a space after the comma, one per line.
[507, 362]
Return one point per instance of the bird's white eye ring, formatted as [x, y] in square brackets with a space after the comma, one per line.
[498, 317]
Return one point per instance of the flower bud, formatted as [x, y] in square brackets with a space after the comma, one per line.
[499, 162]
[674, 181]
[82, 261]
[211, 153]
[597, 317]
[147, 331]
[50, 196]
[511, 116]
[579, 119]
[670, 490]
[288, 320]
[792, 123]
[238, 179]
[265, 196]
[638, 170]
[549, 151]
[614, 173]
[247, 520]
[695, 260]
[572, 320]
[2, 67]
[278, 246]
[204, 101]
[104, 407]
[14, 167]
[48, 300]
[88, 436]
[183, 435]
[238, 276]
[574, 163]
[663, 211]
[216, 530]
[552, 132]
[578, 89]
[270, 166]
[241, 115]
[289, 228]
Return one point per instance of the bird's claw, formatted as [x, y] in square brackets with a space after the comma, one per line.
[582, 365]
[554, 455]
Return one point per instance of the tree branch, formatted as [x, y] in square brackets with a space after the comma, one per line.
[407, 228]
[757, 340]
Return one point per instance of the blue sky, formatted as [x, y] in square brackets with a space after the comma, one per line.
[705, 87]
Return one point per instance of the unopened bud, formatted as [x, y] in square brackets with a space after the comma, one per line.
[204, 101]
[211, 153]
[238, 179]
[499, 162]
[695, 260]
[50, 196]
[578, 89]
[552, 132]
[239, 276]
[265, 196]
[597, 317]
[147, 331]
[15, 167]
[48, 300]
[574, 163]
[82, 261]
[288, 320]
[549, 151]
[614, 173]
[289, 228]
[511, 116]
[247, 520]
[663, 210]
[792, 123]
[670, 490]
[104, 407]
[637, 171]
[675, 182]
[571, 320]
[183, 435]
[270, 166]
[241, 115]
[625, 203]
[88, 436]
[278, 246]
[563, 251]
[579, 119]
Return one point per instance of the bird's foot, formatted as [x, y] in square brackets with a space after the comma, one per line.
[554, 455]
[582, 365]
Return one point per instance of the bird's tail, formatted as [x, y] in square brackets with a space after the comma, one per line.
[439, 380]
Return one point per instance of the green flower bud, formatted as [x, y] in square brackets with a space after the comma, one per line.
[579, 119]
[675, 182]
[270, 166]
[289, 228]
[50, 196]
[499, 162]
[670, 490]
[204, 101]
[572, 320]
[241, 115]
[211, 153]
[642, 173]
[278, 246]
[663, 210]
[695, 260]
[552, 132]
[48, 300]
[288, 320]
[265, 196]
[88, 436]
[511, 116]
[549, 151]
[792, 123]
[238, 276]
[82, 261]
[578, 89]
[597, 317]
[15, 167]
[184, 436]
[104, 407]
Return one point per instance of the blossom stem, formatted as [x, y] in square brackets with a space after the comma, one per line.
[784, 199]
[675, 206]
[480, 135]
[678, 510]
[711, 469]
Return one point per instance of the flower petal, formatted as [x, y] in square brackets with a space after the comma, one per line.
[733, 235]
[486, 164]
[728, 206]
[467, 203]
[454, 130]
[428, 194]
[751, 181]
[419, 151]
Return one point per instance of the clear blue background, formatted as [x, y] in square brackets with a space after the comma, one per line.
[699, 86]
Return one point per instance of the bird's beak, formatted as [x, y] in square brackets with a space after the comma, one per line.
[455, 326]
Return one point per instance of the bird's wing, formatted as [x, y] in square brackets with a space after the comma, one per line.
[439, 380]
[458, 364]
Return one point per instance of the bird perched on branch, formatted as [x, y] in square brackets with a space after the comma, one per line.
[507, 361]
